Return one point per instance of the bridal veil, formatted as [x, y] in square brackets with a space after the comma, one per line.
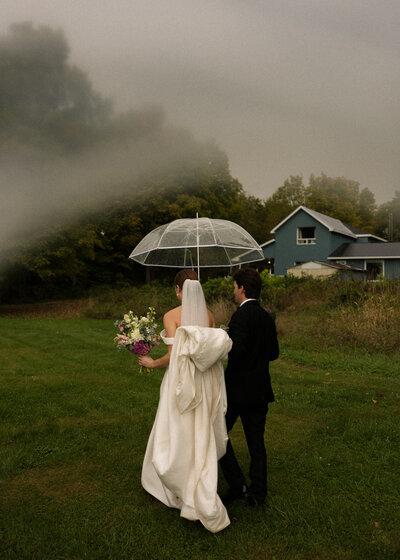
[194, 308]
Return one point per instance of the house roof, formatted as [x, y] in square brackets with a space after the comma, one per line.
[332, 224]
[267, 243]
[355, 230]
[361, 233]
[366, 251]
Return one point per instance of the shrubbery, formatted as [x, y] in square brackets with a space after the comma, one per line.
[218, 288]
[330, 311]
[349, 314]
[310, 311]
[113, 303]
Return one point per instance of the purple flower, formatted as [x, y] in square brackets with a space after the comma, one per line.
[141, 348]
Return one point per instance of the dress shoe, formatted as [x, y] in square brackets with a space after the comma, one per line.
[255, 501]
[235, 494]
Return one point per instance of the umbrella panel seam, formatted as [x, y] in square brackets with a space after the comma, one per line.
[246, 248]
[202, 265]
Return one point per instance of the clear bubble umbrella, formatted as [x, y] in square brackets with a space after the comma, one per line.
[197, 243]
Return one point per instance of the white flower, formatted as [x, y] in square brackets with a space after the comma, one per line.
[136, 335]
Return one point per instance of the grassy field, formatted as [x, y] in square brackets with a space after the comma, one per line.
[76, 415]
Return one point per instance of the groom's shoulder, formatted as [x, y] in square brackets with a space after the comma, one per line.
[247, 309]
[250, 306]
[253, 309]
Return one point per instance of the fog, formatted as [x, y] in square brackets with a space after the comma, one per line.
[41, 191]
[283, 87]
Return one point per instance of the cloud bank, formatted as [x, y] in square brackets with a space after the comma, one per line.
[283, 87]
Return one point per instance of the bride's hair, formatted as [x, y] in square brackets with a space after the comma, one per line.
[185, 274]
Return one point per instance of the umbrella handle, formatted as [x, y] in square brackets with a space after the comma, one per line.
[198, 248]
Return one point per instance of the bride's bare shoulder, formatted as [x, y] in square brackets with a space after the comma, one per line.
[173, 315]
[172, 320]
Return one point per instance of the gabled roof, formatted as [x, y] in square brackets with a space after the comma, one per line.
[361, 233]
[331, 223]
[355, 230]
[267, 243]
[366, 251]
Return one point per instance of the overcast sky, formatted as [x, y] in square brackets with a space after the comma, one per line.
[285, 87]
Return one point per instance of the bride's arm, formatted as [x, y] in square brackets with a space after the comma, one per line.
[148, 362]
[211, 319]
[170, 327]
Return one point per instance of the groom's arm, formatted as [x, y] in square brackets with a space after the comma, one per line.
[272, 342]
[238, 333]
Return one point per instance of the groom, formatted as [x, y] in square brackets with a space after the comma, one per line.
[248, 386]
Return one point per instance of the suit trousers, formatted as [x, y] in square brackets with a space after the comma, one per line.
[253, 417]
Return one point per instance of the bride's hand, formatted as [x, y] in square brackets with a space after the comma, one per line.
[147, 362]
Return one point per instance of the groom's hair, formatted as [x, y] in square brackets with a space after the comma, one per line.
[250, 279]
[185, 274]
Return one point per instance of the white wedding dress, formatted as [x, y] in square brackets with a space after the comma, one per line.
[180, 467]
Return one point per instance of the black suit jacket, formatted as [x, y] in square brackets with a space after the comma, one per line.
[255, 344]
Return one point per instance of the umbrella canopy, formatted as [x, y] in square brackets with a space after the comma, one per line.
[197, 242]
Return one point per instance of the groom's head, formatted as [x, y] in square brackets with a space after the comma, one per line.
[250, 280]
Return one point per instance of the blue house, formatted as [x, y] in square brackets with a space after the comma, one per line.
[306, 235]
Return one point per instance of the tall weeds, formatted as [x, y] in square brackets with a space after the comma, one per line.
[112, 304]
[331, 312]
[373, 324]
[222, 310]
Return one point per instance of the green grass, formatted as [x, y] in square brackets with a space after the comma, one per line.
[75, 418]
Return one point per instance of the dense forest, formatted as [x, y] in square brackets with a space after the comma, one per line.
[82, 185]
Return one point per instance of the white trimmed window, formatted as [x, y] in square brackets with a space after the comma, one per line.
[306, 236]
[375, 269]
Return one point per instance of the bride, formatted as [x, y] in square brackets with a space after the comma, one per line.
[180, 467]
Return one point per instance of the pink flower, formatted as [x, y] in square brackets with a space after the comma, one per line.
[121, 339]
[141, 348]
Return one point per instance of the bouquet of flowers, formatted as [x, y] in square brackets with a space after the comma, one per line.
[137, 334]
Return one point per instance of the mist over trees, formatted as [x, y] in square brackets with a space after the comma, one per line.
[45, 102]
[63, 150]
[81, 185]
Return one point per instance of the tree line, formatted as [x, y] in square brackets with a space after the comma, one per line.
[134, 171]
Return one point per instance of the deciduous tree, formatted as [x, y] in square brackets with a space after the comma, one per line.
[388, 218]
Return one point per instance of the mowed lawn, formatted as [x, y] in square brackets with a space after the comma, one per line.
[75, 418]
